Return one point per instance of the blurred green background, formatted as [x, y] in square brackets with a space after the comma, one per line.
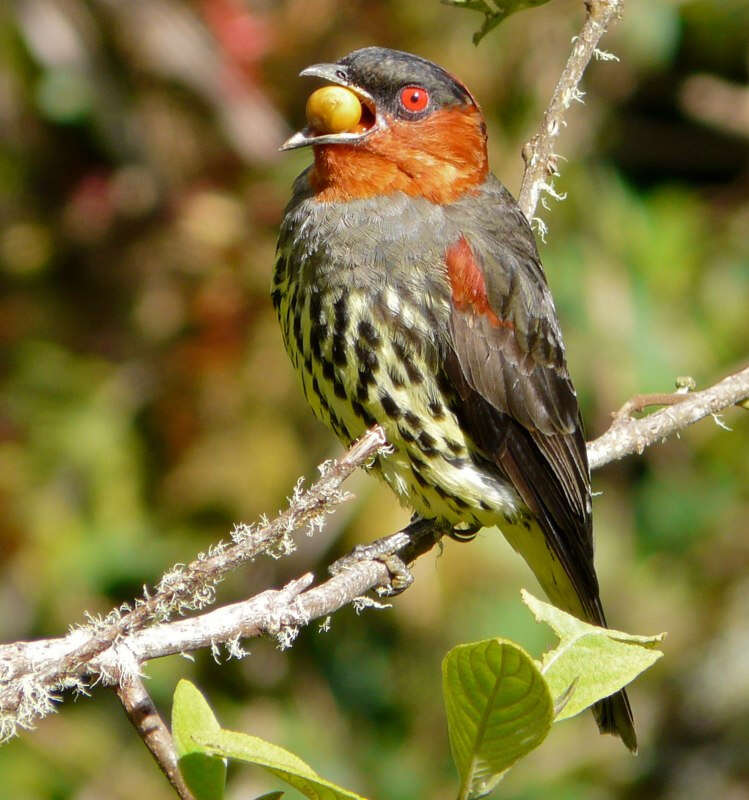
[147, 404]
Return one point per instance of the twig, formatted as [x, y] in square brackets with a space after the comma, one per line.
[640, 402]
[538, 152]
[626, 437]
[147, 721]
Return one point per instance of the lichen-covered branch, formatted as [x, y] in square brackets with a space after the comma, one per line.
[538, 152]
[32, 672]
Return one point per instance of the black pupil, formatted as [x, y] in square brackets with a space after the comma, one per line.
[415, 97]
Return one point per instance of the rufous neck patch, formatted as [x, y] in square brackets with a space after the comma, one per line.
[467, 283]
[440, 157]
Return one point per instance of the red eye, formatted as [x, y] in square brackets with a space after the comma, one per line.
[414, 98]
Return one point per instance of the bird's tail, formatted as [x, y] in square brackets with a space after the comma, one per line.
[614, 715]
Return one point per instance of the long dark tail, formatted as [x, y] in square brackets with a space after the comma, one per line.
[550, 474]
[614, 715]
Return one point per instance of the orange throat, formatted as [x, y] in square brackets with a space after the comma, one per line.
[440, 158]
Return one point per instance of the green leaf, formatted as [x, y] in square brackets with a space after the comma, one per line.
[494, 12]
[498, 709]
[277, 761]
[271, 796]
[205, 774]
[599, 661]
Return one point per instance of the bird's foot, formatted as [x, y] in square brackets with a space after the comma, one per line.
[384, 550]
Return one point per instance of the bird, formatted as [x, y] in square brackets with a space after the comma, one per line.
[410, 294]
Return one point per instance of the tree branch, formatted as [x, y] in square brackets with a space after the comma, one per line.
[31, 672]
[538, 152]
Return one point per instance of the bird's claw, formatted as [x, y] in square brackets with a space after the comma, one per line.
[385, 551]
[401, 576]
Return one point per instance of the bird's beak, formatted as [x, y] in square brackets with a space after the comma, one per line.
[337, 74]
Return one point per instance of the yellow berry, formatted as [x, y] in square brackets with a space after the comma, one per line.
[333, 109]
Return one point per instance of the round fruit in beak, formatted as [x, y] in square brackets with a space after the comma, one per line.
[333, 109]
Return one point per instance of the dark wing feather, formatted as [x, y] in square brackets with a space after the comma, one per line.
[549, 471]
[520, 408]
[519, 405]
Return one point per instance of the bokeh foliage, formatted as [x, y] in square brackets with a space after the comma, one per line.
[146, 403]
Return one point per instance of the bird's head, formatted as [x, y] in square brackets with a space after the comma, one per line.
[405, 124]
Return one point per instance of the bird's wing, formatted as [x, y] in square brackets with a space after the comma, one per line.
[506, 361]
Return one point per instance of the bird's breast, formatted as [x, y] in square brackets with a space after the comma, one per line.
[364, 307]
[387, 253]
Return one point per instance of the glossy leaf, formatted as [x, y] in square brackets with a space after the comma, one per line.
[494, 12]
[498, 709]
[599, 661]
[204, 773]
[279, 762]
